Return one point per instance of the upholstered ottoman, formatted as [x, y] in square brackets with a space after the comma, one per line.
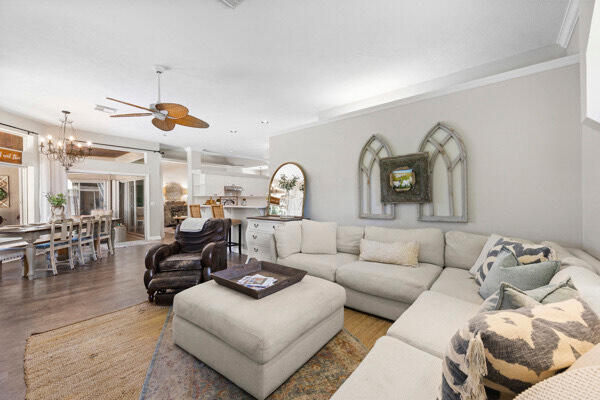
[258, 344]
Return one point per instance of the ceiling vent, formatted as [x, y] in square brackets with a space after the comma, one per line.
[232, 3]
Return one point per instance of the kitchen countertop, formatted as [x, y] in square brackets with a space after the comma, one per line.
[254, 207]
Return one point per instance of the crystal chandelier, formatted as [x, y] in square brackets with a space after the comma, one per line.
[65, 149]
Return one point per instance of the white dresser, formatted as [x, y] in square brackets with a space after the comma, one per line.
[259, 237]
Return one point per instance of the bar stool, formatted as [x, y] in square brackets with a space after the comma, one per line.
[218, 212]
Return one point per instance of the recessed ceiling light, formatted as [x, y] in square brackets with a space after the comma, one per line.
[264, 122]
[233, 131]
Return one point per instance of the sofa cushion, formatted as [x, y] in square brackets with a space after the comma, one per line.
[260, 329]
[462, 249]
[320, 265]
[583, 259]
[459, 283]
[393, 370]
[395, 282]
[431, 241]
[319, 237]
[348, 239]
[431, 321]
[288, 238]
[585, 281]
[399, 253]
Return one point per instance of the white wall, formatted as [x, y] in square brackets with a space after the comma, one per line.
[590, 91]
[523, 140]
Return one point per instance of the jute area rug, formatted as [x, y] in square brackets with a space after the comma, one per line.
[130, 354]
[175, 374]
[101, 358]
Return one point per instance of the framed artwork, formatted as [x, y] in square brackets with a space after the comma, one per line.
[4, 194]
[405, 179]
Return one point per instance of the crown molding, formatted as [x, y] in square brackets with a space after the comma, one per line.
[568, 24]
[488, 80]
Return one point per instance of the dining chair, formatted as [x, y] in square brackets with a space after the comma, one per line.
[63, 239]
[104, 233]
[217, 211]
[195, 211]
[85, 235]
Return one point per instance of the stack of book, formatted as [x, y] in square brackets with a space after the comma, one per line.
[257, 281]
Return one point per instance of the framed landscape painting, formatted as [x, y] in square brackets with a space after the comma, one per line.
[4, 195]
[405, 179]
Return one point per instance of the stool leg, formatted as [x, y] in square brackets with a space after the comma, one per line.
[240, 239]
[229, 239]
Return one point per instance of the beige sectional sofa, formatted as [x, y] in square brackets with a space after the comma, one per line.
[429, 303]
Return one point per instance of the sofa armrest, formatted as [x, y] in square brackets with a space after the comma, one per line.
[214, 258]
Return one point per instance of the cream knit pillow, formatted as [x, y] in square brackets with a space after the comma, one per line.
[402, 253]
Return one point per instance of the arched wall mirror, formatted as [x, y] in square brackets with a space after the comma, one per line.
[286, 191]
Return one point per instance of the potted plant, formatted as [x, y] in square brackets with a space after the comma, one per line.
[57, 205]
[287, 184]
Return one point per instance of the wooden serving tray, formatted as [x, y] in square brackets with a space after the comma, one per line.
[286, 276]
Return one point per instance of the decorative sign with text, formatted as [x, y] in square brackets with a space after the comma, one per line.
[11, 156]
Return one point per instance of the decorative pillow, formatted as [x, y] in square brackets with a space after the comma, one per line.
[348, 239]
[288, 238]
[508, 351]
[526, 254]
[509, 297]
[319, 237]
[491, 242]
[524, 277]
[401, 253]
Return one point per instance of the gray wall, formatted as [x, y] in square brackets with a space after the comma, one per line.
[523, 139]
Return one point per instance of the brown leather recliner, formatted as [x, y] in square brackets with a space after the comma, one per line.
[188, 261]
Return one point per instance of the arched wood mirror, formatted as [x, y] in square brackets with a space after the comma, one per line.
[286, 191]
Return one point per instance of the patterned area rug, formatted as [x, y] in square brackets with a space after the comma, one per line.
[105, 357]
[175, 374]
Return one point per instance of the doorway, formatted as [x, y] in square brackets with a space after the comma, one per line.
[122, 196]
[11, 195]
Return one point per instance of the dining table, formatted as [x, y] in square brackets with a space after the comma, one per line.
[30, 234]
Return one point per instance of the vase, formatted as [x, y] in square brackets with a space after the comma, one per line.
[57, 213]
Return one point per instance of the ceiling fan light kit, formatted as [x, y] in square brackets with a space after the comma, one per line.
[166, 115]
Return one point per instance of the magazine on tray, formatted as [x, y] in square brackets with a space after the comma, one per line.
[257, 281]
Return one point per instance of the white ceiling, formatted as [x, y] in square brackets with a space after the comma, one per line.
[278, 60]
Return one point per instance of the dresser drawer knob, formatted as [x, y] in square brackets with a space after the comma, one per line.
[254, 237]
[256, 250]
[255, 225]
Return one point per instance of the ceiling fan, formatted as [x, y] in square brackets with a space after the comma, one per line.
[166, 115]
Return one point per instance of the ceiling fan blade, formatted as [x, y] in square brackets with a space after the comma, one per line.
[131, 115]
[166, 125]
[174, 110]
[129, 104]
[191, 121]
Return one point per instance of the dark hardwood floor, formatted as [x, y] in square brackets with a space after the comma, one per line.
[45, 303]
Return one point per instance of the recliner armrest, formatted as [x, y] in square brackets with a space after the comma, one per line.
[214, 258]
[158, 253]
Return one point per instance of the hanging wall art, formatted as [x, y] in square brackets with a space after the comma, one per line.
[405, 179]
[447, 174]
[4, 193]
[369, 193]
